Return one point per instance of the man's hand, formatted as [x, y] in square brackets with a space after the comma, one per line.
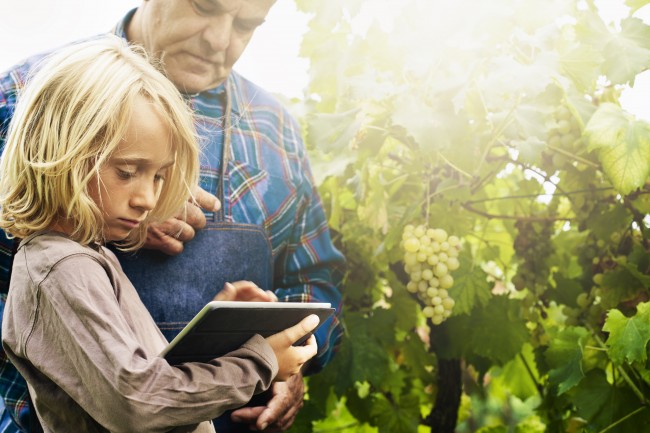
[244, 291]
[280, 412]
[170, 236]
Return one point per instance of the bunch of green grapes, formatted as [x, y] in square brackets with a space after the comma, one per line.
[429, 257]
[533, 247]
[565, 135]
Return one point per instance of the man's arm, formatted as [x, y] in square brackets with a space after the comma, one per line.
[310, 270]
[13, 388]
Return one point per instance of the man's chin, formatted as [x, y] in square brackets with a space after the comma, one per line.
[190, 84]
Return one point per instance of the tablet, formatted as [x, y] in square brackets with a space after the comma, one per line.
[223, 326]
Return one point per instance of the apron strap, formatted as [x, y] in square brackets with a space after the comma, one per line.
[225, 154]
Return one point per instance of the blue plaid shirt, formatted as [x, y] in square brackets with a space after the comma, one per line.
[269, 184]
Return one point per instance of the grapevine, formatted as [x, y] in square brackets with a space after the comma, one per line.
[430, 255]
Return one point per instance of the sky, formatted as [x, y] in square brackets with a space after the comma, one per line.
[271, 59]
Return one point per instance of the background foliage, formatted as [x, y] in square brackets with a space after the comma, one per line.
[498, 122]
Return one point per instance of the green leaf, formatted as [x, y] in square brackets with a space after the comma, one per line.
[401, 416]
[564, 357]
[635, 5]
[330, 165]
[605, 219]
[627, 53]
[471, 287]
[332, 132]
[422, 120]
[628, 337]
[493, 429]
[566, 290]
[517, 376]
[603, 404]
[623, 146]
[494, 332]
[582, 65]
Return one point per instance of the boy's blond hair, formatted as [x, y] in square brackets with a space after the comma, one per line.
[71, 116]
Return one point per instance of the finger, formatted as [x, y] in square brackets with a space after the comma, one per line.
[248, 291]
[303, 328]
[228, 293]
[205, 200]
[157, 240]
[247, 415]
[176, 229]
[309, 349]
[192, 216]
[272, 296]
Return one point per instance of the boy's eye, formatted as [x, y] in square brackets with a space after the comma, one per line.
[125, 174]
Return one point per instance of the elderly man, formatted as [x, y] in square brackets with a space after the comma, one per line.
[267, 225]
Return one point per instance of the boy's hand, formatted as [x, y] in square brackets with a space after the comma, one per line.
[169, 236]
[292, 358]
[244, 291]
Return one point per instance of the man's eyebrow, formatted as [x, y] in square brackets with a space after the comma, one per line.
[251, 22]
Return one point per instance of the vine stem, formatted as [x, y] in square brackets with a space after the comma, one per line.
[571, 155]
[513, 197]
[532, 376]
[428, 201]
[470, 208]
[625, 418]
[455, 167]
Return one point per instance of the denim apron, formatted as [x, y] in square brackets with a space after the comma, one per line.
[175, 288]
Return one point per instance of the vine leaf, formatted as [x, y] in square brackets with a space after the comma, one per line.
[564, 356]
[636, 4]
[422, 119]
[627, 53]
[470, 288]
[623, 145]
[603, 404]
[402, 416]
[628, 337]
[333, 132]
[493, 332]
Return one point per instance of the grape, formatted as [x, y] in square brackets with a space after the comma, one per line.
[563, 136]
[430, 254]
[582, 300]
[411, 245]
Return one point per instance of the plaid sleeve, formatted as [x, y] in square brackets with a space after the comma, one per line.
[312, 267]
[13, 388]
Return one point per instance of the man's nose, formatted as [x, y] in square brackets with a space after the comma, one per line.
[217, 34]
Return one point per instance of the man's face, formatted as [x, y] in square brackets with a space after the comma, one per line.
[198, 41]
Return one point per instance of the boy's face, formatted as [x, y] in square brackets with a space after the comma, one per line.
[198, 41]
[130, 182]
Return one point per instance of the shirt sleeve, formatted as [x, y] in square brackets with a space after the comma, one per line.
[13, 388]
[312, 268]
[95, 358]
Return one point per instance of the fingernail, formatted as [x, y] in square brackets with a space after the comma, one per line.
[264, 425]
[313, 320]
[217, 205]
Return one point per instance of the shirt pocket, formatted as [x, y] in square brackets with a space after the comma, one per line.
[256, 197]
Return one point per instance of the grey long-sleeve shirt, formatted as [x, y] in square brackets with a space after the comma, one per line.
[76, 329]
